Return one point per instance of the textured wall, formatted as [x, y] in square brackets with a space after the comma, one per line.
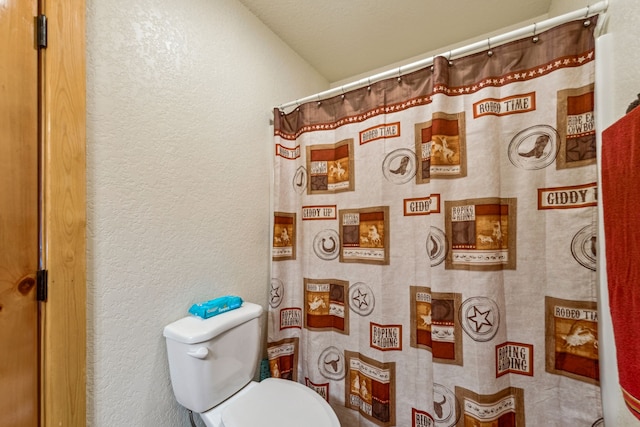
[625, 27]
[178, 159]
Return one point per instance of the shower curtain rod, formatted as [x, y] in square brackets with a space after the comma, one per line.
[532, 29]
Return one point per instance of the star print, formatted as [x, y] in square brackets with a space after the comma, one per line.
[275, 294]
[361, 299]
[480, 318]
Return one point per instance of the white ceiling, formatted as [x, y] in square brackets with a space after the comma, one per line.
[345, 38]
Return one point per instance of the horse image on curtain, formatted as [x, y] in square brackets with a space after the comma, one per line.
[434, 242]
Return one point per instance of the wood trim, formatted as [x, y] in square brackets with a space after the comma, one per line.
[63, 316]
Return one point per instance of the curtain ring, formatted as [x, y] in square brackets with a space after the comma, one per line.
[489, 52]
[319, 102]
[342, 89]
[369, 84]
[399, 74]
[587, 21]
[535, 39]
[449, 59]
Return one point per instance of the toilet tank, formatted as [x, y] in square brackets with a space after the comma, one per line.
[211, 359]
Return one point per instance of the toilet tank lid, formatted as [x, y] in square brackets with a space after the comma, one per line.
[194, 330]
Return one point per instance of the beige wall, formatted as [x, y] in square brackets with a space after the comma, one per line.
[178, 165]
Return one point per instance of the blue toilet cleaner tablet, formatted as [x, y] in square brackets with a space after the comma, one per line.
[215, 306]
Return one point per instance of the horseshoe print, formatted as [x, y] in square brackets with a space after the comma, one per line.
[333, 246]
[326, 245]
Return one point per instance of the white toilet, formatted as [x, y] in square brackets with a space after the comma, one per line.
[212, 363]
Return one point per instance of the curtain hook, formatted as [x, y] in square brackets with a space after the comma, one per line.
[587, 21]
[399, 74]
[369, 84]
[449, 59]
[535, 39]
[489, 52]
[319, 102]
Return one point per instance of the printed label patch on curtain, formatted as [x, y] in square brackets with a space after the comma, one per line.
[504, 106]
[321, 389]
[290, 318]
[364, 235]
[370, 388]
[422, 205]
[441, 147]
[572, 339]
[514, 358]
[385, 337]
[577, 127]
[325, 306]
[421, 419]
[435, 325]
[319, 212]
[390, 130]
[283, 358]
[288, 153]
[284, 236]
[481, 234]
[330, 167]
[572, 197]
[504, 409]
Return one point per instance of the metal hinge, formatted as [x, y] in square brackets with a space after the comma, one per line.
[41, 31]
[42, 279]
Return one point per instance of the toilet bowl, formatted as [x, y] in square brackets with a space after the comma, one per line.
[273, 402]
[212, 363]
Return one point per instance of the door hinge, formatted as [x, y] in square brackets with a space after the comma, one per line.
[41, 31]
[42, 279]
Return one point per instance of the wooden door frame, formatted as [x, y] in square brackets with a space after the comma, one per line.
[63, 215]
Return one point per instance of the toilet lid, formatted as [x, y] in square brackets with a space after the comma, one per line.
[279, 403]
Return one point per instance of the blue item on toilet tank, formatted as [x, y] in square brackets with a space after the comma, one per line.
[215, 306]
[265, 370]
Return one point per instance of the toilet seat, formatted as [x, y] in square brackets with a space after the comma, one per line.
[279, 403]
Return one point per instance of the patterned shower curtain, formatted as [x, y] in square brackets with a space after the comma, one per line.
[434, 248]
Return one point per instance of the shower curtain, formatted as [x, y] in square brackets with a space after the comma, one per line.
[434, 250]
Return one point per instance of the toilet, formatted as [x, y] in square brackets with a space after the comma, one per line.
[212, 363]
